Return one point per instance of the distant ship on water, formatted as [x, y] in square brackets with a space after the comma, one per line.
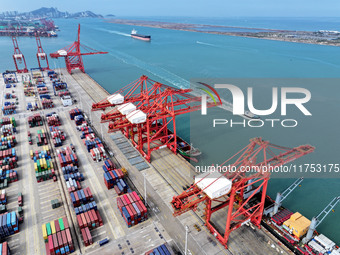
[139, 36]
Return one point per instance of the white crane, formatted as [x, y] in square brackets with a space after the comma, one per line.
[272, 210]
[316, 221]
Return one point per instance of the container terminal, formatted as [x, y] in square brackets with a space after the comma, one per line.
[76, 179]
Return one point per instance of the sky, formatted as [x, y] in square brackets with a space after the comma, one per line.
[189, 8]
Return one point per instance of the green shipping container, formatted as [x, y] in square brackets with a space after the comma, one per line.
[48, 228]
[61, 224]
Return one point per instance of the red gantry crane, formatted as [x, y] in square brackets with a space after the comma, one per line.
[18, 57]
[146, 111]
[41, 55]
[236, 187]
[73, 55]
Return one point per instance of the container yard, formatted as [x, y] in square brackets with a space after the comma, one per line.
[71, 183]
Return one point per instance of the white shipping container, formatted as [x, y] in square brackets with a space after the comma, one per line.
[316, 247]
[116, 99]
[325, 242]
[335, 252]
[126, 108]
[136, 117]
[213, 184]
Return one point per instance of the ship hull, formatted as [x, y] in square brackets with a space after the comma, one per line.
[143, 38]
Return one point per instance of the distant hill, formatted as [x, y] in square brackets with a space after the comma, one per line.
[52, 12]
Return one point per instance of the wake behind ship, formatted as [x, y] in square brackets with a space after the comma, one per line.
[139, 36]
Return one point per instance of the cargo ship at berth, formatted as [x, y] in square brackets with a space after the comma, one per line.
[139, 36]
[187, 150]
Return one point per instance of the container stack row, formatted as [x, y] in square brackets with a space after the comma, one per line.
[114, 178]
[8, 224]
[32, 107]
[57, 237]
[8, 156]
[75, 112]
[7, 121]
[42, 90]
[163, 249]
[95, 146]
[53, 119]
[9, 109]
[57, 135]
[43, 165]
[47, 103]
[132, 208]
[41, 138]
[67, 157]
[35, 120]
[7, 142]
[85, 207]
[8, 129]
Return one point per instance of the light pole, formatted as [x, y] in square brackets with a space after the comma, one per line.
[186, 239]
[145, 188]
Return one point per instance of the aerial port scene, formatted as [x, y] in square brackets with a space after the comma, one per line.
[170, 128]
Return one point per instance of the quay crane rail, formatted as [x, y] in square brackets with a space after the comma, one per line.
[240, 210]
[146, 110]
[18, 57]
[73, 54]
[316, 221]
[41, 55]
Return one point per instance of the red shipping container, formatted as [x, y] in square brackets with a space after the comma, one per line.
[89, 192]
[88, 220]
[134, 214]
[63, 235]
[80, 222]
[57, 227]
[55, 241]
[83, 218]
[65, 223]
[95, 217]
[89, 236]
[83, 233]
[69, 238]
[47, 249]
[99, 218]
[60, 240]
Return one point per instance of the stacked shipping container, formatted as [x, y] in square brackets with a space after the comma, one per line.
[113, 178]
[57, 237]
[132, 208]
[163, 249]
[43, 165]
[35, 120]
[8, 224]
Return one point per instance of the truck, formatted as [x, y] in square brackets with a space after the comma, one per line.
[20, 200]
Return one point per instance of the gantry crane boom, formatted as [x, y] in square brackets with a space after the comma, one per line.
[258, 155]
[280, 197]
[41, 55]
[73, 54]
[157, 106]
[316, 221]
[18, 57]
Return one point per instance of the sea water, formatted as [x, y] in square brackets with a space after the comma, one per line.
[176, 57]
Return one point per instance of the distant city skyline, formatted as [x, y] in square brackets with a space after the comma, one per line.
[190, 8]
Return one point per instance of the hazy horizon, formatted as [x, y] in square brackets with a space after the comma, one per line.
[189, 8]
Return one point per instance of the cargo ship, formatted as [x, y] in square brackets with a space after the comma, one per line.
[187, 150]
[291, 228]
[139, 36]
[250, 115]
